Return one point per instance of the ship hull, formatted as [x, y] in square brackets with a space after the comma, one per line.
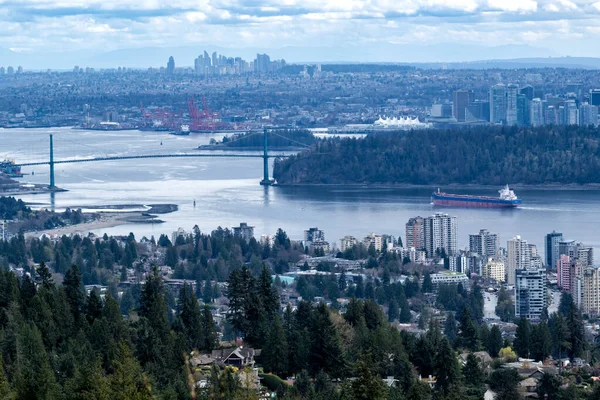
[472, 202]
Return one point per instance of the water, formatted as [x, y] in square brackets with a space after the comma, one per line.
[227, 193]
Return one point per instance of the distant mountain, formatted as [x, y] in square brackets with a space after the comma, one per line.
[548, 62]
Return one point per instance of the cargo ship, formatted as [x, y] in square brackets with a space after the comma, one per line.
[9, 168]
[507, 199]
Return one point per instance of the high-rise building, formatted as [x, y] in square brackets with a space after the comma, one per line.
[347, 242]
[262, 64]
[512, 91]
[523, 110]
[566, 272]
[595, 97]
[588, 115]
[215, 59]
[375, 240]
[518, 257]
[591, 291]
[243, 231]
[2, 71]
[484, 244]
[314, 235]
[440, 234]
[571, 113]
[552, 249]
[171, 66]
[10, 70]
[568, 247]
[415, 234]
[478, 111]
[536, 111]
[527, 91]
[498, 104]
[530, 293]
[462, 99]
[494, 270]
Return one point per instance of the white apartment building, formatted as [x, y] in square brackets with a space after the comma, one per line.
[518, 257]
[494, 270]
[530, 293]
[440, 234]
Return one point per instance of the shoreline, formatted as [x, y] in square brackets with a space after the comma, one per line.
[541, 187]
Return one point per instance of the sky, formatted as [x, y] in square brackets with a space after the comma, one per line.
[557, 27]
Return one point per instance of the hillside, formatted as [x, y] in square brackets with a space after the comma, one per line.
[483, 155]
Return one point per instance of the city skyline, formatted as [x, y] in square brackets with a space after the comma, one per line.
[318, 31]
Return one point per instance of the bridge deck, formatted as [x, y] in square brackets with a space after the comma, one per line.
[81, 160]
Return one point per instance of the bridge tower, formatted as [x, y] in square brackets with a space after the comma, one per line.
[266, 181]
[52, 186]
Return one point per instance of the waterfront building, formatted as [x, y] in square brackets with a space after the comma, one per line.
[243, 231]
[518, 257]
[347, 242]
[551, 245]
[439, 232]
[530, 293]
[512, 91]
[494, 269]
[591, 291]
[484, 244]
[498, 104]
[415, 233]
[375, 240]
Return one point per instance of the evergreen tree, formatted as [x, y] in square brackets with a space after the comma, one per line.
[368, 385]
[450, 328]
[427, 286]
[473, 378]
[190, 316]
[325, 349]
[548, 386]
[495, 341]
[446, 367]
[393, 311]
[269, 297]
[74, 290]
[405, 315]
[541, 342]
[522, 341]
[209, 331]
[468, 331]
[34, 375]
[576, 332]
[128, 381]
[505, 308]
[153, 305]
[93, 307]
[275, 351]
[6, 392]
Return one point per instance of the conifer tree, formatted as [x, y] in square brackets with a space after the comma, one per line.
[209, 331]
[189, 314]
[473, 378]
[275, 350]
[522, 341]
[495, 341]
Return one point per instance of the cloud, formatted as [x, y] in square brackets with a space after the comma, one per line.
[113, 24]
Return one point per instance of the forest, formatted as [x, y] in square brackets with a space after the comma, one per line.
[61, 341]
[479, 155]
[281, 138]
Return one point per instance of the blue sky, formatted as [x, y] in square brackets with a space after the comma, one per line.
[564, 27]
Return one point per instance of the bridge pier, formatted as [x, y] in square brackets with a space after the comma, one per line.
[266, 180]
[52, 185]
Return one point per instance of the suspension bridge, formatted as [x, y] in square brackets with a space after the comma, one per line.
[266, 181]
